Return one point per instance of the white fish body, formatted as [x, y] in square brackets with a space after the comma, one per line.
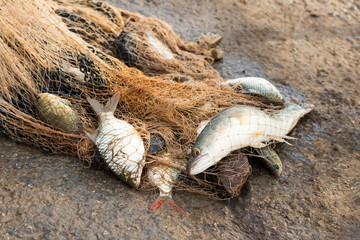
[159, 46]
[119, 143]
[238, 127]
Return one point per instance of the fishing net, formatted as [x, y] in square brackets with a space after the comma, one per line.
[143, 42]
[71, 49]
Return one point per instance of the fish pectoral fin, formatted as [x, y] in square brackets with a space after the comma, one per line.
[166, 199]
[92, 136]
[281, 139]
[288, 137]
[258, 145]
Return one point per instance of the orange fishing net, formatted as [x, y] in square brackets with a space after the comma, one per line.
[78, 49]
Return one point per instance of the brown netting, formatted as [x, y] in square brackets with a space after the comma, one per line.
[63, 48]
[143, 42]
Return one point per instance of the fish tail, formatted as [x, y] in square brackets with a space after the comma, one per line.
[166, 199]
[110, 105]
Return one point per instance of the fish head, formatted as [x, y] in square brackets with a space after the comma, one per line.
[201, 159]
[276, 169]
[206, 148]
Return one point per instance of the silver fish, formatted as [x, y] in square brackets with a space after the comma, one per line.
[164, 178]
[266, 154]
[118, 142]
[237, 127]
[58, 112]
[257, 86]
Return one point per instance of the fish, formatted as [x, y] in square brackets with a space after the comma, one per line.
[266, 154]
[241, 126]
[270, 158]
[58, 112]
[158, 46]
[164, 178]
[118, 142]
[257, 86]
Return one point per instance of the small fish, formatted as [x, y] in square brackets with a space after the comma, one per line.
[164, 178]
[266, 154]
[257, 86]
[237, 127]
[270, 159]
[58, 112]
[118, 142]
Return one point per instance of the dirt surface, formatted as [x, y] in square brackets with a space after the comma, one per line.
[310, 50]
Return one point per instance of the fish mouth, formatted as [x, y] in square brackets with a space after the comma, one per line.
[197, 166]
[276, 170]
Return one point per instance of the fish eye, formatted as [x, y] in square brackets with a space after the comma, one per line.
[196, 152]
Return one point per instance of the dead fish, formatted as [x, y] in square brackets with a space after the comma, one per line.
[237, 127]
[118, 142]
[266, 154]
[164, 178]
[58, 112]
[257, 86]
[270, 158]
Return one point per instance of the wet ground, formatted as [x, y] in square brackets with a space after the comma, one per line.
[310, 50]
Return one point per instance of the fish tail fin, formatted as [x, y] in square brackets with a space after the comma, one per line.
[110, 105]
[166, 199]
[92, 136]
[97, 106]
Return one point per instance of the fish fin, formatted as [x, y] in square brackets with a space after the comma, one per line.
[258, 145]
[288, 137]
[281, 139]
[174, 205]
[97, 106]
[92, 136]
[165, 199]
[113, 102]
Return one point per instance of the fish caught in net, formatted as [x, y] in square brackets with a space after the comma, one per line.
[73, 51]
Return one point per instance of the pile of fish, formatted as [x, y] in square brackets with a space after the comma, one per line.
[236, 128]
